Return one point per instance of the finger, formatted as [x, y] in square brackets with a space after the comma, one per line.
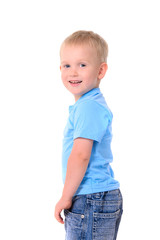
[58, 217]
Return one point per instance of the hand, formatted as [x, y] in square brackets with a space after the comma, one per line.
[62, 204]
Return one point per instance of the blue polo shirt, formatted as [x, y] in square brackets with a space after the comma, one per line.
[91, 118]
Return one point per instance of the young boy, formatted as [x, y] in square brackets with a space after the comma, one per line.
[91, 198]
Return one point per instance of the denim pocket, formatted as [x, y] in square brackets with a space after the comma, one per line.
[73, 219]
[73, 225]
[104, 225]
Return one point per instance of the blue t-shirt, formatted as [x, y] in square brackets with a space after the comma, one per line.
[91, 118]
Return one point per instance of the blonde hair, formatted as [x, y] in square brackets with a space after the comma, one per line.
[91, 38]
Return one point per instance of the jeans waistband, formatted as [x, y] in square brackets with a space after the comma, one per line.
[102, 195]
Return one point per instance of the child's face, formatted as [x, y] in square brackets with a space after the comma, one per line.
[80, 69]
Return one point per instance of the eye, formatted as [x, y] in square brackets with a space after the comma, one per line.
[66, 66]
[82, 65]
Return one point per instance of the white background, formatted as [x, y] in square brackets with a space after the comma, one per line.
[34, 109]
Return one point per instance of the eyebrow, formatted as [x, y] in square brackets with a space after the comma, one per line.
[80, 60]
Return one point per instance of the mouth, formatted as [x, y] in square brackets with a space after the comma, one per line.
[75, 82]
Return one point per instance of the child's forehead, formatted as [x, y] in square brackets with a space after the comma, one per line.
[77, 46]
[79, 52]
[83, 49]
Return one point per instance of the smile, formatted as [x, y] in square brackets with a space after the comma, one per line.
[75, 82]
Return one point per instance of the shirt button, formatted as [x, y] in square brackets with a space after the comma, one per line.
[82, 216]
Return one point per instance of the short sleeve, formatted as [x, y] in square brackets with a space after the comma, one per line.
[90, 121]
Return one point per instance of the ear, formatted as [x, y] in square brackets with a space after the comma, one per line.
[102, 70]
[60, 67]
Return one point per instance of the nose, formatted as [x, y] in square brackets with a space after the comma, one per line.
[73, 72]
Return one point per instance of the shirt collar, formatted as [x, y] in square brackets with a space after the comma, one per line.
[89, 93]
[92, 92]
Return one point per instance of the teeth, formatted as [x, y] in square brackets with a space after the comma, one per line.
[75, 81]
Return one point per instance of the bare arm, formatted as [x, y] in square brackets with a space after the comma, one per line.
[76, 168]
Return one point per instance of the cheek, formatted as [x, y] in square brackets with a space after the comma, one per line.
[91, 76]
[63, 76]
[64, 79]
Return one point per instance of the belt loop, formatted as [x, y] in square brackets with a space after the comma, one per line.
[102, 195]
[89, 196]
[99, 195]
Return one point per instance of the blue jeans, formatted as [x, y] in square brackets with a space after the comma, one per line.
[94, 216]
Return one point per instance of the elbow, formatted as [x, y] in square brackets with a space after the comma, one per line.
[83, 157]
